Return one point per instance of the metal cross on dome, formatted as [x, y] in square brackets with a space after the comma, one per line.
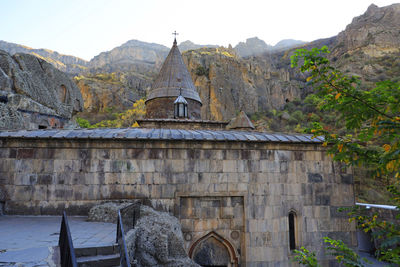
[175, 33]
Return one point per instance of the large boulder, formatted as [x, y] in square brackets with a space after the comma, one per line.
[157, 240]
[107, 212]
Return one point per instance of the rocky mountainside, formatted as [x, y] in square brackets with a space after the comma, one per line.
[228, 84]
[230, 80]
[370, 45]
[134, 55]
[107, 93]
[62, 62]
[33, 93]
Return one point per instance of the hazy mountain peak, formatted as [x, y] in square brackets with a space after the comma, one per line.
[287, 43]
[141, 44]
[251, 47]
[189, 45]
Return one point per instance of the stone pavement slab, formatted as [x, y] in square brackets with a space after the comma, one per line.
[28, 240]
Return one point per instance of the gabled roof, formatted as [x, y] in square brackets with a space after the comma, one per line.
[160, 134]
[173, 76]
[241, 122]
[180, 99]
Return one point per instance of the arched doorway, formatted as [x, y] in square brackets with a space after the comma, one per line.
[212, 250]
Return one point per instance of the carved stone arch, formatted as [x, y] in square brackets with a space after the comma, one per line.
[294, 229]
[213, 250]
[62, 93]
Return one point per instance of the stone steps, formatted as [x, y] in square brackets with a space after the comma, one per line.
[99, 256]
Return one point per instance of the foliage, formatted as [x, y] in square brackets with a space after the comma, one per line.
[371, 138]
[202, 71]
[127, 118]
[83, 123]
[387, 233]
[343, 253]
[306, 257]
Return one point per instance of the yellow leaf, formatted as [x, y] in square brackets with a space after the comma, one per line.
[337, 95]
[309, 78]
[325, 144]
[340, 147]
[386, 147]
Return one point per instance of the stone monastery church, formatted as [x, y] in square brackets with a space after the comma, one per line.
[243, 198]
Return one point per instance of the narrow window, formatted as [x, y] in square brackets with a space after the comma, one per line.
[292, 231]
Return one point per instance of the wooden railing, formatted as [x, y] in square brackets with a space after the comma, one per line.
[67, 252]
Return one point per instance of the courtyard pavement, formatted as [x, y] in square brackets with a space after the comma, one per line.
[30, 240]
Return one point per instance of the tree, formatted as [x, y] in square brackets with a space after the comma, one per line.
[371, 137]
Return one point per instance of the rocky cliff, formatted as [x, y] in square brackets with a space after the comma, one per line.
[230, 80]
[370, 45]
[228, 84]
[133, 55]
[62, 62]
[33, 93]
[107, 93]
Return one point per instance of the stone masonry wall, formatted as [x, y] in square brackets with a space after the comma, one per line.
[243, 191]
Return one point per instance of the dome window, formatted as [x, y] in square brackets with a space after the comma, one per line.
[180, 107]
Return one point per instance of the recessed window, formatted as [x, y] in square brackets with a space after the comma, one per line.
[292, 230]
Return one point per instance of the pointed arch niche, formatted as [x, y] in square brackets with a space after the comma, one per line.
[213, 250]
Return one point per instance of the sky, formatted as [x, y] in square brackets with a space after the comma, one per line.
[85, 28]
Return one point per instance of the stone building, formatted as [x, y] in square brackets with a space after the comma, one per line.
[173, 80]
[244, 198]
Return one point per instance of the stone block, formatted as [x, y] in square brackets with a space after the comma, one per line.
[45, 179]
[346, 178]
[315, 178]
[229, 166]
[267, 155]
[283, 155]
[311, 225]
[24, 165]
[167, 191]
[25, 153]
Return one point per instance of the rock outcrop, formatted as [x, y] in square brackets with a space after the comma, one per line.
[105, 93]
[134, 55]
[228, 84]
[107, 212]
[34, 93]
[376, 32]
[370, 45]
[157, 240]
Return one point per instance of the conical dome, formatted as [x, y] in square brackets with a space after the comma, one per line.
[173, 78]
